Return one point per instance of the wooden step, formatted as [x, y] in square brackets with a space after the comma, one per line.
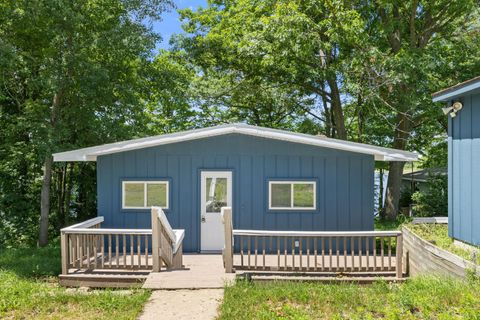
[323, 278]
[102, 280]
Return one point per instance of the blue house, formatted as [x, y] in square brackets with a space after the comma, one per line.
[272, 179]
[463, 108]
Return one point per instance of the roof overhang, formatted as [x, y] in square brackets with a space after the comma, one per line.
[451, 93]
[91, 153]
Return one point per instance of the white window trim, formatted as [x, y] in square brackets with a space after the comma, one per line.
[145, 183]
[292, 183]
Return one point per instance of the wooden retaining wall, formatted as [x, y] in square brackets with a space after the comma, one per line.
[422, 257]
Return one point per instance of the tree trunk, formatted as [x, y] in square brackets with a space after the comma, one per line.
[45, 200]
[62, 190]
[68, 194]
[47, 176]
[360, 119]
[393, 189]
[336, 109]
[395, 170]
[326, 113]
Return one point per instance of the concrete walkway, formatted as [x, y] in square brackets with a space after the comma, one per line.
[193, 292]
[200, 271]
[183, 304]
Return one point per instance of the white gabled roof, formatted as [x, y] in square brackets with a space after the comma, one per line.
[91, 153]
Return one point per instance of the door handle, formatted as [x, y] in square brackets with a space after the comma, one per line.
[204, 219]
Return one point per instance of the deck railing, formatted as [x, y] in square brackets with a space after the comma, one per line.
[167, 243]
[311, 251]
[87, 246]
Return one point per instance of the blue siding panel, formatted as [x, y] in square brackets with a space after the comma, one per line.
[475, 225]
[355, 196]
[331, 180]
[344, 184]
[343, 175]
[319, 171]
[369, 183]
[464, 171]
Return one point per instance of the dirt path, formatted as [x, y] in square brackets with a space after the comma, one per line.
[183, 304]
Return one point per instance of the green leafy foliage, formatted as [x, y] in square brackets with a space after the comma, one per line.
[434, 200]
[73, 74]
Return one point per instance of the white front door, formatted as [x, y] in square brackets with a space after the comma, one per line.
[216, 192]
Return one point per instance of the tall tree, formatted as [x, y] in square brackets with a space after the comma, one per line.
[398, 62]
[273, 61]
[73, 75]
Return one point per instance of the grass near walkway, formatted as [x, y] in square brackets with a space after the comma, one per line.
[29, 290]
[421, 298]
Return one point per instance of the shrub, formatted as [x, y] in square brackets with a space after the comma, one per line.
[434, 200]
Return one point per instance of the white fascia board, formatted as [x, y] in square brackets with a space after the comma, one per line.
[70, 156]
[450, 95]
[380, 153]
[166, 139]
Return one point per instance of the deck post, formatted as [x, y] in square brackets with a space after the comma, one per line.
[156, 229]
[64, 250]
[399, 256]
[228, 249]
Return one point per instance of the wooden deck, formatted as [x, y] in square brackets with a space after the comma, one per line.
[335, 263]
[202, 271]
[97, 257]
[206, 271]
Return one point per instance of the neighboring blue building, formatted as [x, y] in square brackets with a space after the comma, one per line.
[273, 180]
[463, 159]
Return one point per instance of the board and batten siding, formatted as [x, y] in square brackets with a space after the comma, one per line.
[345, 184]
[464, 171]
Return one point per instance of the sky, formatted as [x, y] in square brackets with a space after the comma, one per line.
[170, 23]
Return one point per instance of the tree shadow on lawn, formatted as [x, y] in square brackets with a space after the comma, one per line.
[31, 262]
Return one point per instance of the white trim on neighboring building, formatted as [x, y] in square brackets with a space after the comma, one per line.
[380, 153]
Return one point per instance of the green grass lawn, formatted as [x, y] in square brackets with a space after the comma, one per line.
[29, 290]
[385, 225]
[437, 234]
[420, 298]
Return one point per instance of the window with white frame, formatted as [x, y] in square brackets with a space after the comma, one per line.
[145, 194]
[292, 195]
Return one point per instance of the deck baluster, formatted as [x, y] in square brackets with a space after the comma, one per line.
[323, 254]
[330, 255]
[352, 252]
[382, 253]
[389, 253]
